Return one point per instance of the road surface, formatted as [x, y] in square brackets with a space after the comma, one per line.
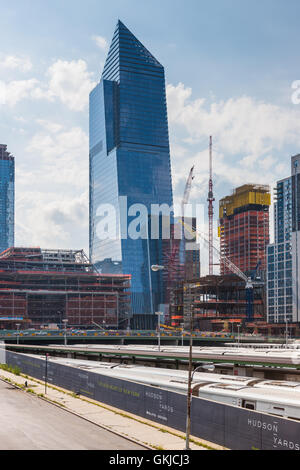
[29, 423]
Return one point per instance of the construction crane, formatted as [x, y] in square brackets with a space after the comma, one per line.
[255, 273]
[188, 187]
[173, 268]
[210, 200]
[185, 200]
[249, 283]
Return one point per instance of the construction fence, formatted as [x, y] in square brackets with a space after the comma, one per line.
[229, 426]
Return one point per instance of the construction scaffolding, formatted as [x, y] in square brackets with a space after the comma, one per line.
[40, 287]
[244, 227]
[216, 300]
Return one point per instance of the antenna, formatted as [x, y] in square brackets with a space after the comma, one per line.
[210, 200]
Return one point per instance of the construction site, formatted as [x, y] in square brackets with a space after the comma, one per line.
[244, 227]
[235, 298]
[218, 303]
[58, 287]
[50, 287]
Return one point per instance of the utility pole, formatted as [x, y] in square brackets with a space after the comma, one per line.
[65, 334]
[18, 332]
[158, 329]
[210, 200]
[182, 332]
[46, 372]
[189, 392]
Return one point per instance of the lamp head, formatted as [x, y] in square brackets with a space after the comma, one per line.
[156, 267]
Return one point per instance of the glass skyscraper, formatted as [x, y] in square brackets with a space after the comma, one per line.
[129, 164]
[295, 178]
[279, 257]
[7, 198]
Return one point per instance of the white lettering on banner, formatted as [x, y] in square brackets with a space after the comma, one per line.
[153, 395]
[273, 427]
[262, 425]
[284, 443]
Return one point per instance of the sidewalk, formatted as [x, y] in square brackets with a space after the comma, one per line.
[136, 428]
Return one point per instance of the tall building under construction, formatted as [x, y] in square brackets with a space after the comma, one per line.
[244, 227]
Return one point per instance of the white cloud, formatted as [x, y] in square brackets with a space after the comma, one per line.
[17, 90]
[101, 42]
[63, 152]
[249, 136]
[16, 63]
[52, 189]
[50, 126]
[241, 125]
[70, 82]
[252, 143]
[52, 221]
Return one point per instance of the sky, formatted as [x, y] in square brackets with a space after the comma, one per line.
[230, 66]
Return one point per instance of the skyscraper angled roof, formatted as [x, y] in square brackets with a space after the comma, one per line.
[127, 53]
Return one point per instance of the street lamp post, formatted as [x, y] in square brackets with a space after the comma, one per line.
[46, 372]
[182, 332]
[155, 268]
[18, 334]
[188, 410]
[209, 367]
[65, 336]
[286, 333]
[239, 326]
[158, 329]
[128, 321]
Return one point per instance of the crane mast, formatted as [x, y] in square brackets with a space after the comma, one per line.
[187, 189]
[210, 200]
[184, 201]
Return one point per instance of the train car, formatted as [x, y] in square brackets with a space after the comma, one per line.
[278, 398]
[278, 403]
[128, 370]
[284, 403]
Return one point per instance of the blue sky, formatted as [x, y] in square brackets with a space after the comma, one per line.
[229, 67]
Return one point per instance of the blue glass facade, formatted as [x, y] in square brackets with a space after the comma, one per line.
[7, 199]
[295, 178]
[129, 164]
[279, 258]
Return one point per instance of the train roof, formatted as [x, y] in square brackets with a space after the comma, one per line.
[241, 351]
[146, 370]
[282, 397]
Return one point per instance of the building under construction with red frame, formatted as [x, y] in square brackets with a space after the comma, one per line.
[217, 302]
[244, 227]
[42, 287]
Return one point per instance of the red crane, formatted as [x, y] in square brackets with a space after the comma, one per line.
[210, 200]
